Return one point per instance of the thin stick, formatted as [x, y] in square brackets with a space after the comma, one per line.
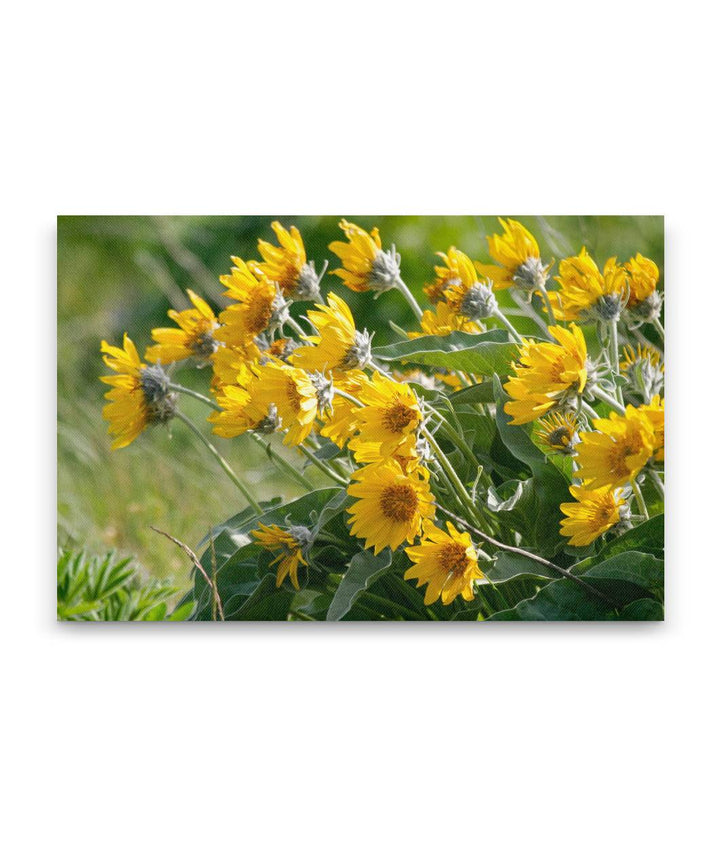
[198, 395]
[237, 481]
[657, 481]
[293, 324]
[282, 465]
[600, 393]
[194, 559]
[528, 555]
[513, 332]
[659, 327]
[640, 499]
[529, 310]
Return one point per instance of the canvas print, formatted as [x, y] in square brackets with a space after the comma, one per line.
[353, 418]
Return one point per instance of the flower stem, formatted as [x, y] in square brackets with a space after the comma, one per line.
[293, 324]
[658, 482]
[237, 481]
[548, 305]
[615, 357]
[640, 499]
[529, 310]
[657, 324]
[282, 465]
[191, 392]
[321, 465]
[408, 295]
[600, 393]
[513, 332]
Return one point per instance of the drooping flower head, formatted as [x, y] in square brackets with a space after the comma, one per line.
[518, 259]
[337, 346]
[391, 415]
[241, 409]
[558, 433]
[230, 360]
[444, 321]
[193, 336]
[140, 395]
[287, 265]
[594, 513]
[548, 375]
[586, 294]
[392, 505]
[645, 301]
[644, 368]
[296, 395]
[290, 544]
[446, 562]
[460, 287]
[613, 454]
[342, 422]
[365, 265]
[259, 306]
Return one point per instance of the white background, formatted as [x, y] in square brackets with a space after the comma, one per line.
[310, 739]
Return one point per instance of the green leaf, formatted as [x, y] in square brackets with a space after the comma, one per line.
[479, 393]
[484, 353]
[364, 569]
[645, 609]
[508, 566]
[515, 437]
[640, 569]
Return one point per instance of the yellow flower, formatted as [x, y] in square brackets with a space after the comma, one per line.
[444, 321]
[194, 338]
[392, 505]
[341, 423]
[289, 544]
[643, 279]
[287, 265]
[338, 346]
[391, 415]
[365, 265]
[558, 432]
[229, 361]
[446, 562]
[594, 513]
[643, 366]
[548, 375]
[292, 392]
[241, 410]
[518, 259]
[258, 306]
[458, 286]
[655, 412]
[139, 396]
[613, 454]
[586, 294]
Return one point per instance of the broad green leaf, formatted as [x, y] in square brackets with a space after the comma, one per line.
[640, 569]
[508, 566]
[363, 570]
[483, 354]
[479, 393]
[645, 609]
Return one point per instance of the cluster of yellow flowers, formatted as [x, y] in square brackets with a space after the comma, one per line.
[325, 383]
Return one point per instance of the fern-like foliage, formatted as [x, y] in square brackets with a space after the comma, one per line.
[107, 589]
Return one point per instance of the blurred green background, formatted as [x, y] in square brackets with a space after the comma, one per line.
[118, 274]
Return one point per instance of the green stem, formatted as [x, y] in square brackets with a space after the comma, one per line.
[321, 465]
[282, 465]
[529, 310]
[198, 395]
[408, 295]
[657, 324]
[237, 481]
[548, 305]
[600, 393]
[513, 332]
[615, 357]
[592, 413]
[293, 324]
[463, 495]
[657, 481]
[640, 499]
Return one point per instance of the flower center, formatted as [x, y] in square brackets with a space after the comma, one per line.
[259, 312]
[293, 396]
[453, 559]
[397, 417]
[399, 502]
